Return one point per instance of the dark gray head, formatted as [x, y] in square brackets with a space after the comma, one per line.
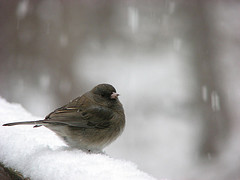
[105, 91]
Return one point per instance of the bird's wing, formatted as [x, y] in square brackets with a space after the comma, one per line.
[81, 113]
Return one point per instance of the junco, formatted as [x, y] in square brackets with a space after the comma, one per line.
[89, 122]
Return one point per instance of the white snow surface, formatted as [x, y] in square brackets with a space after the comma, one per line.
[39, 154]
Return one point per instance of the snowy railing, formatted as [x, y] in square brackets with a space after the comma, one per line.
[37, 153]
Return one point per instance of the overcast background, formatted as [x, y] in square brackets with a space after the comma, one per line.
[175, 63]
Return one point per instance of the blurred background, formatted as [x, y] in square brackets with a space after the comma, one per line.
[174, 62]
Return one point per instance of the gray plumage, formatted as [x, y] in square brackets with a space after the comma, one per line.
[89, 122]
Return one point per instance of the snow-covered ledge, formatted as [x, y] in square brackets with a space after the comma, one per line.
[37, 153]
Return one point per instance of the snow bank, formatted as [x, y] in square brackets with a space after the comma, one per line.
[39, 154]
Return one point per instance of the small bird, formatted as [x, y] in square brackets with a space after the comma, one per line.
[89, 122]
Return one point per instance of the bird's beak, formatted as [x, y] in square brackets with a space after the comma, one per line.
[114, 95]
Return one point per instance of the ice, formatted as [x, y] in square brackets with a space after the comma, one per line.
[38, 153]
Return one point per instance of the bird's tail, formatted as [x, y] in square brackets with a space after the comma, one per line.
[36, 123]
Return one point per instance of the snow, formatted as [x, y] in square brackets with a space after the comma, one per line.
[39, 154]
